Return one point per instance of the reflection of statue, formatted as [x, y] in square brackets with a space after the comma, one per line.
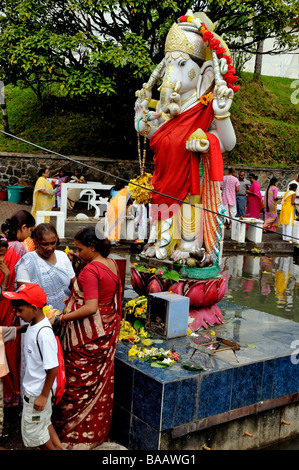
[188, 132]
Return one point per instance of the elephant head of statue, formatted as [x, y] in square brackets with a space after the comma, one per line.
[195, 61]
[187, 72]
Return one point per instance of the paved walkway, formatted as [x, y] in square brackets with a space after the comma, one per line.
[7, 209]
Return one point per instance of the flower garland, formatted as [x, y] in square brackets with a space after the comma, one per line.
[221, 52]
[141, 195]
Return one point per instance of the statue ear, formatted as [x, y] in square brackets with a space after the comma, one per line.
[206, 78]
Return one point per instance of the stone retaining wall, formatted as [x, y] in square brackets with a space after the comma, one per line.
[21, 168]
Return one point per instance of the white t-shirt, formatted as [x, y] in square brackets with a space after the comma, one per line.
[36, 367]
[62, 262]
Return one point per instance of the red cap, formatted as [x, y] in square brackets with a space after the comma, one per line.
[31, 293]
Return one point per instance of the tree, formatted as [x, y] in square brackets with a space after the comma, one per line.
[258, 61]
[83, 45]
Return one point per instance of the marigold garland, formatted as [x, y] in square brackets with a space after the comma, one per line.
[221, 52]
[141, 195]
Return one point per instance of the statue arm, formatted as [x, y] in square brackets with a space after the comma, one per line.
[145, 121]
[225, 134]
[223, 98]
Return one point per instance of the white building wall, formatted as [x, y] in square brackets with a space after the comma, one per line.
[280, 65]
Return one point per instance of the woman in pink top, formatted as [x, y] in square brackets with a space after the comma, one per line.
[230, 186]
[254, 199]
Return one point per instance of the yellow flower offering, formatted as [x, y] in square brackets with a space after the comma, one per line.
[142, 195]
[134, 351]
[46, 309]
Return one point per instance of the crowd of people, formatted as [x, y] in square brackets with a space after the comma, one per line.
[242, 198]
[39, 289]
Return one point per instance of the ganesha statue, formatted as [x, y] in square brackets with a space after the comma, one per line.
[188, 128]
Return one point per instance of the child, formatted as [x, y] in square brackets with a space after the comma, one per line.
[62, 178]
[3, 268]
[7, 333]
[41, 368]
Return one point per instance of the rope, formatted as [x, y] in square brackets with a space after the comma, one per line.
[127, 181]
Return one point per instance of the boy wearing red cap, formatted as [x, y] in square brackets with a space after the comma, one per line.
[41, 368]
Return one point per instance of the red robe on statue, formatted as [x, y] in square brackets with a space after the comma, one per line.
[176, 168]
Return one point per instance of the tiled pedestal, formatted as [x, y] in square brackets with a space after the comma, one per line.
[295, 231]
[238, 231]
[151, 402]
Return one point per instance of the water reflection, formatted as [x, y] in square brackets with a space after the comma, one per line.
[266, 283]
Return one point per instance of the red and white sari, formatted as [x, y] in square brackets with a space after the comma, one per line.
[83, 416]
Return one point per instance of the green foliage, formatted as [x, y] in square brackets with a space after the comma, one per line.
[89, 46]
[266, 123]
[88, 57]
[264, 117]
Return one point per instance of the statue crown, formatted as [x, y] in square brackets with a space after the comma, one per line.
[185, 37]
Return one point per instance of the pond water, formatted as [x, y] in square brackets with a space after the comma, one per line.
[269, 284]
[266, 283]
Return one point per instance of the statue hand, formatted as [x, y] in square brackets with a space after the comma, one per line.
[223, 98]
[143, 117]
[152, 115]
[144, 95]
[198, 142]
[198, 145]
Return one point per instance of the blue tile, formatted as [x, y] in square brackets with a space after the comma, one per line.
[286, 377]
[120, 426]
[247, 385]
[147, 399]
[123, 384]
[179, 402]
[215, 393]
[268, 376]
[143, 436]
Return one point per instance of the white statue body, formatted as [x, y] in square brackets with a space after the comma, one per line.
[186, 77]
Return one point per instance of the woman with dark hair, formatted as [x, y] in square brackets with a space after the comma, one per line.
[287, 214]
[62, 178]
[270, 203]
[16, 229]
[43, 195]
[254, 198]
[47, 267]
[73, 195]
[91, 323]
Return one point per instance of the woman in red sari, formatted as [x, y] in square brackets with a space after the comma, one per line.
[16, 230]
[254, 199]
[91, 324]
